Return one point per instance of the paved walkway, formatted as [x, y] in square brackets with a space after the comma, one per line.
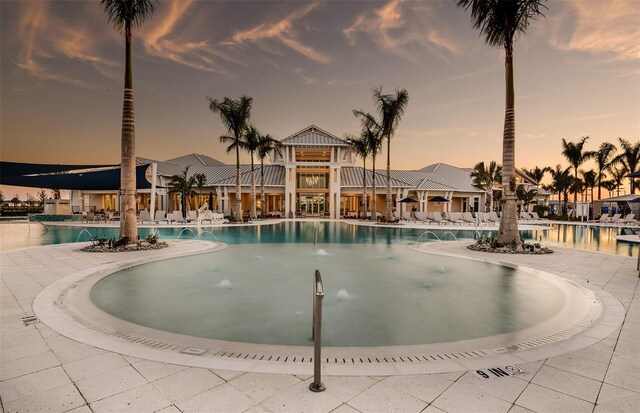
[44, 371]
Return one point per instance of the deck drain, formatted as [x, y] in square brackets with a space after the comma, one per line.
[30, 319]
[194, 351]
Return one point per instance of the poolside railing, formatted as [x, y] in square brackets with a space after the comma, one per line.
[316, 332]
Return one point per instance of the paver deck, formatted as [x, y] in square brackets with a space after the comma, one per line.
[42, 370]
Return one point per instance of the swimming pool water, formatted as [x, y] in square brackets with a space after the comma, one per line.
[19, 235]
[375, 295]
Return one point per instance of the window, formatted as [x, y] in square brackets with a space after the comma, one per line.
[313, 181]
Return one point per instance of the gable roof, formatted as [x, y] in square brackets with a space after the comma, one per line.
[193, 159]
[313, 136]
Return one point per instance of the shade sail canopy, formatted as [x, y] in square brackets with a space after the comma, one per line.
[408, 199]
[56, 176]
[21, 168]
[439, 199]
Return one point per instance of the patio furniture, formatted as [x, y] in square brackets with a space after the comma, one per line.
[628, 220]
[144, 216]
[468, 217]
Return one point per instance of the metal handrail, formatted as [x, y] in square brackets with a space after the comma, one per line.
[316, 332]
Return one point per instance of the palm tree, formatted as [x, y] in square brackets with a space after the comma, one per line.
[630, 158]
[124, 15]
[486, 178]
[251, 143]
[391, 109]
[576, 155]
[590, 179]
[361, 149]
[604, 158]
[537, 174]
[561, 183]
[372, 134]
[500, 20]
[267, 144]
[200, 181]
[183, 184]
[235, 116]
[526, 197]
[618, 174]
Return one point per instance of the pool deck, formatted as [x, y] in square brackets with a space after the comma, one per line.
[42, 370]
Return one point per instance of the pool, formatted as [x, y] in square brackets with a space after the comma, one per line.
[375, 295]
[603, 239]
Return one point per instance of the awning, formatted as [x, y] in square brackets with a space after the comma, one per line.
[30, 175]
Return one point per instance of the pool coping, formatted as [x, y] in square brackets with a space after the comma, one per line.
[55, 309]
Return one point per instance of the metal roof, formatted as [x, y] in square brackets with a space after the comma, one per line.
[193, 159]
[457, 179]
[225, 175]
[351, 177]
[313, 136]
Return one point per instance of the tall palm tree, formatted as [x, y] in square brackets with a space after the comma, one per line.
[499, 21]
[361, 149]
[124, 15]
[251, 143]
[266, 146]
[487, 178]
[372, 134]
[391, 108]
[576, 155]
[630, 158]
[235, 115]
[604, 158]
[200, 180]
[183, 184]
[590, 179]
[561, 184]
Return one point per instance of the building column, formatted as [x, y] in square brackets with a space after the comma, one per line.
[154, 177]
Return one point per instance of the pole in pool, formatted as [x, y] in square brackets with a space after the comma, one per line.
[318, 295]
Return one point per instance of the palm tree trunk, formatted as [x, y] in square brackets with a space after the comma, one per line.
[599, 186]
[490, 197]
[128, 219]
[262, 200]
[364, 187]
[508, 231]
[238, 189]
[388, 178]
[374, 211]
[575, 194]
[254, 213]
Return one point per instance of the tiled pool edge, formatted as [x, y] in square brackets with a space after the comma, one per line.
[240, 359]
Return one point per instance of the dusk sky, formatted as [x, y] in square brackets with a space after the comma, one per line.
[577, 73]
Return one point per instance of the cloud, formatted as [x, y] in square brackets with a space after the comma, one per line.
[46, 40]
[163, 41]
[307, 79]
[283, 32]
[599, 27]
[399, 26]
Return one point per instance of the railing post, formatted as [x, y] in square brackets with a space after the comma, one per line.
[318, 295]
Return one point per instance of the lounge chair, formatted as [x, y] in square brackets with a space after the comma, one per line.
[615, 219]
[176, 216]
[159, 216]
[437, 218]
[144, 216]
[629, 219]
[493, 217]
[536, 217]
[89, 217]
[604, 218]
[420, 216]
[468, 217]
[453, 217]
[192, 216]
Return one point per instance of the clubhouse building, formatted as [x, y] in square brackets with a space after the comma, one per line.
[314, 174]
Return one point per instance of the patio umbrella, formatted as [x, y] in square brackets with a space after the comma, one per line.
[439, 199]
[408, 199]
[211, 201]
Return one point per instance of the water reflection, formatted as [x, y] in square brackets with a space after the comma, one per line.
[19, 235]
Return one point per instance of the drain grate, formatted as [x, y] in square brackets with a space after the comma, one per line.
[29, 319]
